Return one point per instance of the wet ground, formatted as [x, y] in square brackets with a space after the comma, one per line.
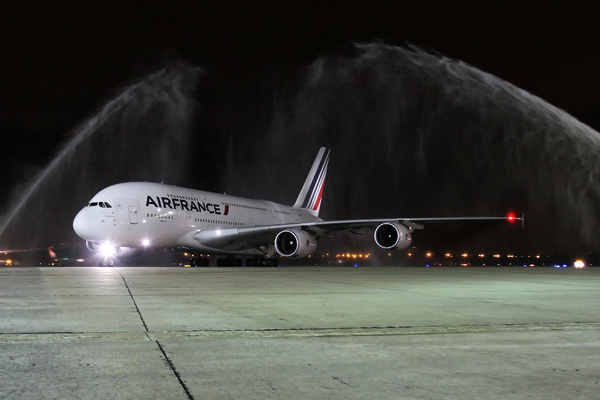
[299, 332]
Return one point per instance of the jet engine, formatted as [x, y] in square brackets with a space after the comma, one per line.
[391, 236]
[295, 243]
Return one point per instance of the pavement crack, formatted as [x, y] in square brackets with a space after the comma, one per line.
[341, 381]
[172, 366]
[135, 304]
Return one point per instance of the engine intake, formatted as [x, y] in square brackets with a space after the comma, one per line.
[391, 235]
[295, 243]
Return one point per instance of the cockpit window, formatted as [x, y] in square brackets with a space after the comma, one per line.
[102, 204]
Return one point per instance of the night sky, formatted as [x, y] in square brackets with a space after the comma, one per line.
[63, 61]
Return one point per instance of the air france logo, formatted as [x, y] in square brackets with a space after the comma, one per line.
[186, 205]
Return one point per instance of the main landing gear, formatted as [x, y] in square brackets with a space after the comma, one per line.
[262, 262]
[229, 262]
[199, 262]
[236, 262]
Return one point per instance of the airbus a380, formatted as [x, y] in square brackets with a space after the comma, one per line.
[142, 214]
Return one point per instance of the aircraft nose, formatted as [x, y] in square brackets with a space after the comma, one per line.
[81, 225]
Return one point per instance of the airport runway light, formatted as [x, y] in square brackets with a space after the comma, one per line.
[448, 255]
[482, 255]
[465, 255]
[579, 264]
[428, 254]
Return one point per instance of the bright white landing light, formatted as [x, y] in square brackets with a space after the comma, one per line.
[107, 250]
[145, 242]
[579, 264]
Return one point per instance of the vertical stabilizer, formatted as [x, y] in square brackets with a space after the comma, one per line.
[312, 192]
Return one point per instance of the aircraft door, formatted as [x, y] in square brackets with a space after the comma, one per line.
[189, 223]
[133, 214]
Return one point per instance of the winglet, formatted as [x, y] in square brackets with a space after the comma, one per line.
[312, 192]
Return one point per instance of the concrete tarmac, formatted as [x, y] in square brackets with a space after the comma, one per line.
[299, 333]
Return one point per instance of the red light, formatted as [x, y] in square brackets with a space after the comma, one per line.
[511, 217]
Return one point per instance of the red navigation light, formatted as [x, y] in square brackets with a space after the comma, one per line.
[511, 217]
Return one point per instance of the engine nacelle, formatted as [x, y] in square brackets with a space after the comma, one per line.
[391, 236]
[295, 243]
[106, 250]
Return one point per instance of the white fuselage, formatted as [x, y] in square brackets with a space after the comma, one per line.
[139, 214]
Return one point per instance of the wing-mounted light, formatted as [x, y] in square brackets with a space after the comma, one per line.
[512, 217]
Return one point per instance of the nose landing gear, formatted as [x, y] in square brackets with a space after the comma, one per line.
[107, 262]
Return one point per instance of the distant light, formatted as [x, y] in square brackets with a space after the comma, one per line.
[448, 255]
[465, 255]
[8, 262]
[579, 264]
[428, 254]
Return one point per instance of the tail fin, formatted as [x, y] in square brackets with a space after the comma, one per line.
[312, 192]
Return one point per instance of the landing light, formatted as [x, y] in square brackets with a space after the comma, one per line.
[145, 242]
[579, 264]
[107, 250]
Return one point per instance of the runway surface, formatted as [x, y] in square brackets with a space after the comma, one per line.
[299, 332]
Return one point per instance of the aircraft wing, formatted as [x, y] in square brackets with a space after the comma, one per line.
[233, 239]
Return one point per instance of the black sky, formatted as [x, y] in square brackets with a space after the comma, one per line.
[61, 60]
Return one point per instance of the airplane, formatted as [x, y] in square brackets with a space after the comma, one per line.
[126, 217]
